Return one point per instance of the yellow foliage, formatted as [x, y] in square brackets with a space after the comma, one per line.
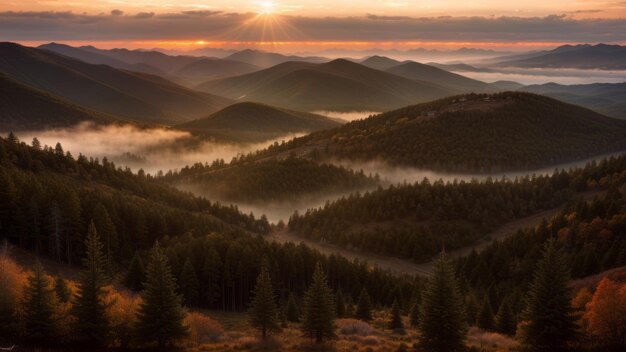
[203, 329]
[122, 313]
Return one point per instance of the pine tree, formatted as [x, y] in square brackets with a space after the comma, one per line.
[414, 315]
[92, 325]
[442, 318]
[318, 314]
[292, 313]
[396, 318]
[550, 323]
[341, 305]
[484, 320]
[108, 234]
[160, 316]
[504, 321]
[364, 306]
[349, 307]
[189, 285]
[39, 307]
[263, 311]
[62, 289]
[136, 275]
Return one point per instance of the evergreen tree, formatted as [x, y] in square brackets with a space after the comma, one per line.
[364, 306]
[211, 274]
[160, 316]
[292, 312]
[39, 308]
[396, 318]
[108, 234]
[442, 318]
[62, 289]
[318, 315]
[189, 285]
[341, 305]
[550, 323]
[92, 325]
[505, 321]
[349, 307]
[136, 275]
[484, 320]
[263, 311]
[414, 315]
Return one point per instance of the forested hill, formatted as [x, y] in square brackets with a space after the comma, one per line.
[471, 133]
[47, 193]
[271, 180]
[413, 221]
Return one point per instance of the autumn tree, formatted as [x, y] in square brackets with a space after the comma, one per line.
[442, 317]
[606, 315]
[263, 311]
[550, 323]
[92, 324]
[318, 313]
[160, 317]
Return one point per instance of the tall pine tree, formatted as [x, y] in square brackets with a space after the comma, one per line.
[160, 316]
[92, 325]
[263, 311]
[550, 324]
[484, 320]
[505, 320]
[396, 318]
[442, 317]
[136, 275]
[39, 308]
[364, 306]
[189, 285]
[318, 315]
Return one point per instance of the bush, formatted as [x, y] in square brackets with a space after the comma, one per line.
[354, 327]
[203, 329]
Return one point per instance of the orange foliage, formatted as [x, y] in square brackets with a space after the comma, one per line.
[605, 314]
[12, 282]
[203, 329]
[122, 313]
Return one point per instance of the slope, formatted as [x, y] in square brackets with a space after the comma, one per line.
[106, 89]
[472, 133]
[337, 85]
[207, 69]
[266, 59]
[600, 56]
[452, 81]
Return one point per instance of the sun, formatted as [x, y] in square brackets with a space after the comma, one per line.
[267, 7]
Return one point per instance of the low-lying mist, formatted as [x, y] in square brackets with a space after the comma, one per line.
[151, 149]
[529, 76]
[346, 116]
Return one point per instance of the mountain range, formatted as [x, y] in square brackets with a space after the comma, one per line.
[584, 56]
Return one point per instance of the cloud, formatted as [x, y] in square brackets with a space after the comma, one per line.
[217, 25]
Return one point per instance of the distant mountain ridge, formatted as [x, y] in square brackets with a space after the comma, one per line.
[267, 59]
[130, 95]
[585, 56]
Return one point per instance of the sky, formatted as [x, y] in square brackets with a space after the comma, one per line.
[314, 25]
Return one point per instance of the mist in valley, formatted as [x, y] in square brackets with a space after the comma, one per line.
[150, 149]
[528, 76]
[347, 116]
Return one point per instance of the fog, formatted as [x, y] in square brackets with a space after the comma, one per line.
[528, 76]
[152, 149]
[346, 116]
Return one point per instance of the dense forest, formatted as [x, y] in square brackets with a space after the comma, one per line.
[269, 180]
[414, 221]
[591, 236]
[471, 133]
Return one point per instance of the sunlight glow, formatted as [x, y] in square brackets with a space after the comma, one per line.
[267, 8]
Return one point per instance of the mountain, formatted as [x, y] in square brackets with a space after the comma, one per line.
[606, 98]
[600, 56]
[336, 85]
[97, 58]
[156, 59]
[449, 80]
[265, 59]
[208, 69]
[254, 121]
[459, 67]
[25, 108]
[507, 85]
[472, 133]
[103, 88]
[382, 63]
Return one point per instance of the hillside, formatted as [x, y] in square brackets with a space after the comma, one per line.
[103, 88]
[207, 69]
[449, 80]
[472, 133]
[382, 63]
[336, 85]
[25, 108]
[163, 62]
[254, 121]
[97, 58]
[267, 59]
[605, 98]
[600, 56]
[272, 180]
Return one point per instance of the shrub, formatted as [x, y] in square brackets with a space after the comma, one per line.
[203, 329]
[354, 327]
